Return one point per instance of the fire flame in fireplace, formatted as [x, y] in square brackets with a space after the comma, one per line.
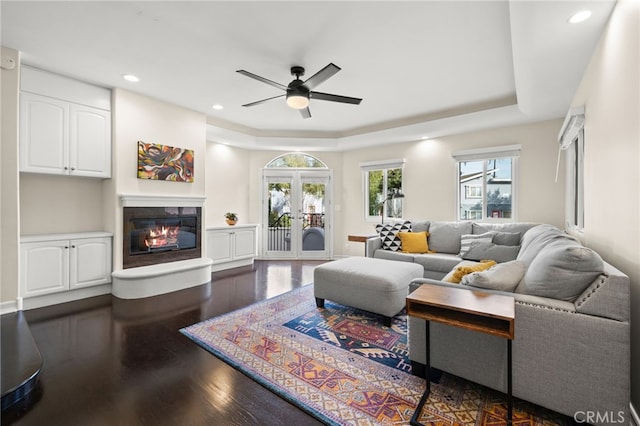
[162, 236]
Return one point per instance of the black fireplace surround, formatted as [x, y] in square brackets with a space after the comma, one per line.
[155, 235]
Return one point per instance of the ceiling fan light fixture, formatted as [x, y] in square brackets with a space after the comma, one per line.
[297, 101]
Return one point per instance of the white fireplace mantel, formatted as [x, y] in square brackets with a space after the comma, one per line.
[161, 201]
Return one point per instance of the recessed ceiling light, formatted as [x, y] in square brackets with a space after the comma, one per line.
[130, 77]
[581, 16]
[217, 107]
[424, 138]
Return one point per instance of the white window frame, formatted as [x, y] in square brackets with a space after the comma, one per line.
[486, 154]
[384, 165]
[574, 200]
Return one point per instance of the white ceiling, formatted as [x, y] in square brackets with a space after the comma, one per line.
[423, 68]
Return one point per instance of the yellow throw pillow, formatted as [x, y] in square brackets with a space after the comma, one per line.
[461, 271]
[414, 242]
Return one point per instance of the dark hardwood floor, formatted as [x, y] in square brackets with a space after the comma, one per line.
[109, 361]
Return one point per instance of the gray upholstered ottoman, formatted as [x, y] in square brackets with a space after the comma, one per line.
[374, 285]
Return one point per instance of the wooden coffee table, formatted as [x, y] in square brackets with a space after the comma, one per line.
[492, 314]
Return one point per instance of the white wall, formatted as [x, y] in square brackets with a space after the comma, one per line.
[227, 185]
[610, 92]
[430, 177]
[136, 117]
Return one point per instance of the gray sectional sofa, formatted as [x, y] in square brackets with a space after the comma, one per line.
[571, 351]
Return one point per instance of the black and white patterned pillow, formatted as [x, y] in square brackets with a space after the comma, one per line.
[389, 235]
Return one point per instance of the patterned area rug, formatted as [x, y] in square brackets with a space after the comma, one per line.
[344, 367]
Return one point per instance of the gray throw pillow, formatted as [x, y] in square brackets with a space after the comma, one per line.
[467, 239]
[491, 251]
[503, 276]
[562, 270]
[506, 238]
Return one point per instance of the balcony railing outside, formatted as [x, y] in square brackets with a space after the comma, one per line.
[279, 231]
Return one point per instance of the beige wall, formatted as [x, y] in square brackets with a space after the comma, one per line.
[136, 117]
[57, 204]
[430, 177]
[228, 185]
[9, 185]
[610, 92]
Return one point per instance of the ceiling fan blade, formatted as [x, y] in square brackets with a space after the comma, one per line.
[334, 98]
[305, 112]
[321, 76]
[262, 101]
[262, 79]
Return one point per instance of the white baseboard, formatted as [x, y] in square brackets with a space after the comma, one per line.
[217, 267]
[65, 296]
[8, 307]
[634, 414]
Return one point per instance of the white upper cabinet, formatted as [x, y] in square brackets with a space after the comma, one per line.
[44, 134]
[65, 126]
[89, 141]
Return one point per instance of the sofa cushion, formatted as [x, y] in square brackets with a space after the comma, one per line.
[393, 255]
[414, 242]
[522, 227]
[503, 276]
[561, 270]
[440, 262]
[389, 234]
[467, 267]
[444, 237]
[420, 225]
[467, 239]
[537, 238]
[481, 250]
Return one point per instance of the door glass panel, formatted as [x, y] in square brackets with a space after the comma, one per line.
[313, 215]
[279, 228]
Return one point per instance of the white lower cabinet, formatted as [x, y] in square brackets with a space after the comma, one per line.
[63, 262]
[231, 247]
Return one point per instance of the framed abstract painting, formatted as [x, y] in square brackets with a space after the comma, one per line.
[163, 162]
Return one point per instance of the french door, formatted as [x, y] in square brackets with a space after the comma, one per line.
[296, 214]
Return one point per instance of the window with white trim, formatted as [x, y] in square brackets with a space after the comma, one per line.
[486, 182]
[571, 140]
[382, 181]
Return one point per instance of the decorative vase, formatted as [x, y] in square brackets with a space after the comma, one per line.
[231, 222]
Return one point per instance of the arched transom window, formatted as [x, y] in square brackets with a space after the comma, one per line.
[296, 160]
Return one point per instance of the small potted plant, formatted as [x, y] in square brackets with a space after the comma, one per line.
[231, 218]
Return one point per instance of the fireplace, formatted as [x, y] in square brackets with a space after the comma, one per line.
[155, 235]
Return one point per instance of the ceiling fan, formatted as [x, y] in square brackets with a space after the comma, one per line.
[299, 92]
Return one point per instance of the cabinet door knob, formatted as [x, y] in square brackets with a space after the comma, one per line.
[73, 246]
[66, 168]
[73, 168]
[66, 247]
